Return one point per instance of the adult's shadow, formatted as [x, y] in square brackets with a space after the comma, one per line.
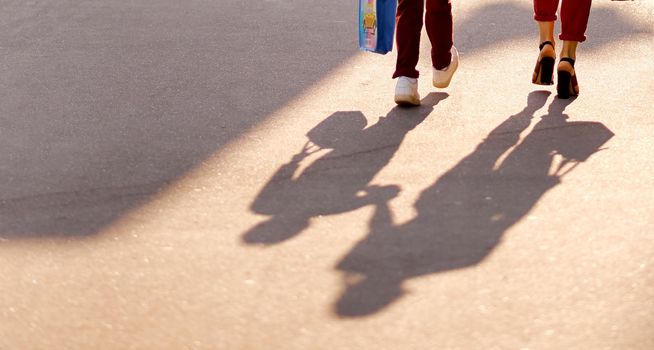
[338, 181]
[463, 215]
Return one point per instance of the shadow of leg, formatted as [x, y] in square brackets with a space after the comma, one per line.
[368, 295]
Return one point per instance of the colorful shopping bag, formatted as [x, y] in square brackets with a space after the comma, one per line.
[377, 25]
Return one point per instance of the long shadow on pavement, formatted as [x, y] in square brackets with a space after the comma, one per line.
[338, 181]
[462, 217]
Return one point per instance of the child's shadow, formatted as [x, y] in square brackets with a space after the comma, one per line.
[338, 181]
[462, 217]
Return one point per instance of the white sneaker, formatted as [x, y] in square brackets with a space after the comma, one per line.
[443, 76]
[406, 92]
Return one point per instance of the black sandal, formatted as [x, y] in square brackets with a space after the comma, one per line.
[544, 71]
[567, 82]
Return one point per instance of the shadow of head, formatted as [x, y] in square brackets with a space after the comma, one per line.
[368, 296]
[575, 141]
[338, 127]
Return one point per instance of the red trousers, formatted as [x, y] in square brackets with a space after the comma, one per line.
[574, 16]
[438, 21]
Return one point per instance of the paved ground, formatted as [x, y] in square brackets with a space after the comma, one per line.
[234, 175]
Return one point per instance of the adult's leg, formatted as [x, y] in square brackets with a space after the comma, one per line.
[574, 19]
[438, 21]
[409, 25]
[545, 32]
[545, 10]
[569, 49]
[545, 15]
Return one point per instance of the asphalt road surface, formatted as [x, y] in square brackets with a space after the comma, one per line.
[234, 174]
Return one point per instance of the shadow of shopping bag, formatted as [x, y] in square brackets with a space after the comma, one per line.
[377, 25]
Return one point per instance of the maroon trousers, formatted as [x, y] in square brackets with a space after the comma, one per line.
[438, 21]
[574, 16]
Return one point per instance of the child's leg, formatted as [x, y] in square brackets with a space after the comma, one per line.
[409, 25]
[439, 29]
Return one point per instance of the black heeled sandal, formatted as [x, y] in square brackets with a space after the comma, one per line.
[567, 82]
[544, 71]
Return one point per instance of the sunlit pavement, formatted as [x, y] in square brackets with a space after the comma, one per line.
[234, 175]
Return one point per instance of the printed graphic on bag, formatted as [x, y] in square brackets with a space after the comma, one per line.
[377, 25]
[368, 22]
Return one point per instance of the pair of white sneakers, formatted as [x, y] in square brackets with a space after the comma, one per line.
[406, 90]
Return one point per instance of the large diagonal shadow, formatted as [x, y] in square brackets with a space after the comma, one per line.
[105, 102]
[338, 181]
[463, 215]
